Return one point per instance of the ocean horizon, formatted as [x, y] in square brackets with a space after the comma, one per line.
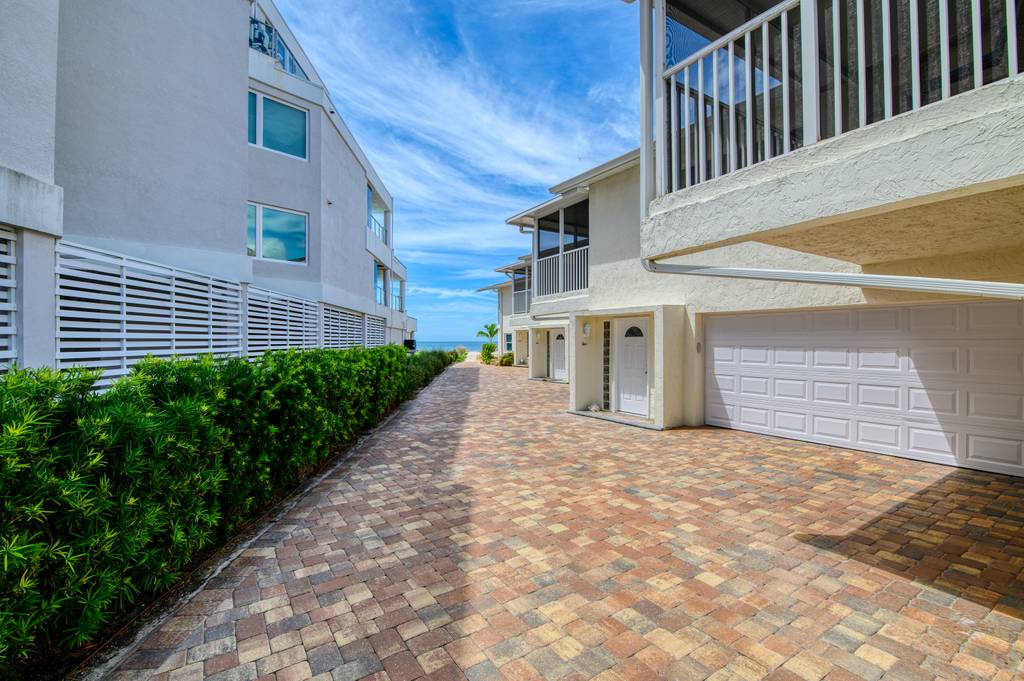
[472, 346]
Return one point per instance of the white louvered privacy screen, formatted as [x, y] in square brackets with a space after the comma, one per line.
[277, 321]
[375, 331]
[8, 321]
[113, 310]
[342, 329]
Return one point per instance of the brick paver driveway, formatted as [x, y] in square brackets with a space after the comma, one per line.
[484, 533]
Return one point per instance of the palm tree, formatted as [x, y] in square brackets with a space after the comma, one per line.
[489, 332]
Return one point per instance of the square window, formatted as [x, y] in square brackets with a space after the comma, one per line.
[274, 234]
[284, 128]
[283, 236]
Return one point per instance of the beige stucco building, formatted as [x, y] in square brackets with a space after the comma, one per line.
[854, 280]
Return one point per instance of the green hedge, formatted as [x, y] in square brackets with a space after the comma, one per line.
[106, 498]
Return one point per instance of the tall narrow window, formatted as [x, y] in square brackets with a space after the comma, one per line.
[276, 234]
[252, 118]
[378, 283]
[250, 232]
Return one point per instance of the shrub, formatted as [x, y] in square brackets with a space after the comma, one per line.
[507, 359]
[107, 498]
[461, 353]
[487, 351]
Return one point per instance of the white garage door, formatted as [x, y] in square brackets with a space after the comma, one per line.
[942, 383]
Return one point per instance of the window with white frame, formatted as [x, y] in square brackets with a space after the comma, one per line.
[508, 342]
[378, 284]
[277, 126]
[276, 234]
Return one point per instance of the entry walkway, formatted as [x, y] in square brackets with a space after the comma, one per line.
[484, 533]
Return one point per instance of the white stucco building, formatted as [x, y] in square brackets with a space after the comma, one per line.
[198, 142]
[855, 283]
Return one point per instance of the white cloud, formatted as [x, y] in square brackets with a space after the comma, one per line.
[445, 293]
[468, 117]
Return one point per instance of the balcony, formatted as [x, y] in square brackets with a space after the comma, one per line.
[914, 103]
[266, 39]
[375, 226]
[566, 272]
[521, 302]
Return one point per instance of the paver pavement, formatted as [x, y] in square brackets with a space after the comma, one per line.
[483, 533]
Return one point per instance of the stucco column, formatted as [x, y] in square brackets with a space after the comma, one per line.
[35, 298]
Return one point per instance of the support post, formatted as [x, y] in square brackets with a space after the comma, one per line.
[243, 319]
[660, 124]
[35, 299]
[809, 69]
[646, 116]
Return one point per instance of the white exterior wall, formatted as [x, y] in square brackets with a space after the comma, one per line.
[150, 136]
[28, 104]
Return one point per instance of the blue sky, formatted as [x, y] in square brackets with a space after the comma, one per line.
[469, 110]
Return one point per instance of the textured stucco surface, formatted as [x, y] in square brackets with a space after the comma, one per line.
[978, 222]
[968, 143]
[150, 139]
[28, 83]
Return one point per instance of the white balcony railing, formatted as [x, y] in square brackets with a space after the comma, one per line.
[744, 98]
[547, 275]
[375, 226]
[521, 302]
[575, 269]
[564, 272]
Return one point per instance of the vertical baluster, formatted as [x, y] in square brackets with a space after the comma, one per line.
[837, 66]
[810, 67]
[716, 142]
[944, 46]
[687, 173]
[785, 83]
[701, 125]
[979, 67]
[674, 137]
[915, 56]
[887, 60]
[749, 75]
[732, 106]
[766, 93]
[1011, 37]
[862, 67]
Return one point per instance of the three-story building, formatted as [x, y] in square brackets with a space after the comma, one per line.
[199, 142]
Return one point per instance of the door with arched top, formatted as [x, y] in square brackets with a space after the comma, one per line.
[631, 366]
[557, 355]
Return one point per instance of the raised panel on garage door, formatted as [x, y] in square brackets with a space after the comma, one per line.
[941, 383]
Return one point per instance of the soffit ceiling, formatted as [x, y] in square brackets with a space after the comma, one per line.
[980, 222]
[714, 18]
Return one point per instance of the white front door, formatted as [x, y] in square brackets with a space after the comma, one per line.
[556, 354]
[631, 363]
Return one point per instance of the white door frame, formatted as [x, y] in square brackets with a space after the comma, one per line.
[565, 352]
[619, 326]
